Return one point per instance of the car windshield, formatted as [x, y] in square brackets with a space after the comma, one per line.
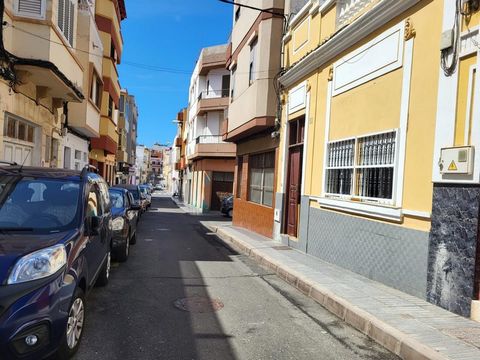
[143, 190]
[38, 204]
[116, 199]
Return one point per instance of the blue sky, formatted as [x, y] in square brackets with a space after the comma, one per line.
[167, 34]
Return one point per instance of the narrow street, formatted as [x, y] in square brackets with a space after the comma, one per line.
[257, 316]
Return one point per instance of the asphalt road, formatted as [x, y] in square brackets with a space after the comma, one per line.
[137, 315]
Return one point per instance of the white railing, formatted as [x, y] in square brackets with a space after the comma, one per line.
[213, 94]
[210, 139]
[349, 9]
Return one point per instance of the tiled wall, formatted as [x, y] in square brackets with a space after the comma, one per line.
[386, 253]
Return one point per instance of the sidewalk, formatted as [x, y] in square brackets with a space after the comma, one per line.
[408, 326]
[189, 209]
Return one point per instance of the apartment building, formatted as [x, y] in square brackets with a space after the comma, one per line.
[109, 15]
[211, 160]
[180, 143]
[254, 60]
[142, 165]
[371, 99]
[40, 73]
[127, 138]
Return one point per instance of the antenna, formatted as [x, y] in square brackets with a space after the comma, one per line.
[24, 160]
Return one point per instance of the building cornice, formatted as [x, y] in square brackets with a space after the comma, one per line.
[350, 35]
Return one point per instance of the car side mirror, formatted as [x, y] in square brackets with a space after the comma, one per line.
[136, 207]
[94, 225]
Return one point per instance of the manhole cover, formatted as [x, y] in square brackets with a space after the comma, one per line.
[198, 304]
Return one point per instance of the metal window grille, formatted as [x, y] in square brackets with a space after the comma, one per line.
[363, 167]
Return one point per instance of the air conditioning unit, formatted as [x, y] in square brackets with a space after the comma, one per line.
[457, 160]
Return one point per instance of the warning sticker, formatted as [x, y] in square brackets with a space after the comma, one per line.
[453, 166]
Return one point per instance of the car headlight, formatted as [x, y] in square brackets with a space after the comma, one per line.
[38, 265]
[117, 224]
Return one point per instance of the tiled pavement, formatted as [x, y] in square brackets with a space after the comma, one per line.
[406, 325]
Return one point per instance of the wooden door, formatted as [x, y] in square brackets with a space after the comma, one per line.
[294, 185]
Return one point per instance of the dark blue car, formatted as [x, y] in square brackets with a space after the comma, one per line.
[55, 240]
[124, 222]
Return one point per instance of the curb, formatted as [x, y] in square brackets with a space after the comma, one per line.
[389, 337]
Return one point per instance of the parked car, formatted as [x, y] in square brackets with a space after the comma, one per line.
[227, 206]
[55, 239]
[145, 189]
[138, 197]
[124, 222]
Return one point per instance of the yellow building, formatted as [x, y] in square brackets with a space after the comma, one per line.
[368, 104]
[108, 15]
[40, 71]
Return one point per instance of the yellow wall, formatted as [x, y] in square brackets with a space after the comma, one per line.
[464, 75]
[376, 105]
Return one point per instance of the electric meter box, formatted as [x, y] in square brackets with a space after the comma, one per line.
[457, 160]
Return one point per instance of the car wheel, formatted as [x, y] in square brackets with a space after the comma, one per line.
[124, 250]
[104, 276]
[74, 327]
[230, 213]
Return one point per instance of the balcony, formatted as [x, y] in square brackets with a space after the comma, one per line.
[212, 100]
[210, 146]
[349, 10]
[51, 65]
[85, 117]
[214, 57]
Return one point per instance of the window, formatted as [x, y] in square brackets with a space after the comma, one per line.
[208, 86]
[30, 8]
[363, 167]
[225, 85]
[20, 130]
[67, 157]
[121, 105]
[239, 176]
[113, 52]
[252, 66]
[261, 178]
[232, 88]
[110, 107]
[96, 89]
[78, 155]
[237, 13]
[48, 148]
[66, 17]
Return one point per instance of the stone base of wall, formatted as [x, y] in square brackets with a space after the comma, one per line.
[453, 247]
[389, 254]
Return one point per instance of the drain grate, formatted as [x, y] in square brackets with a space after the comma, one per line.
[198, 304]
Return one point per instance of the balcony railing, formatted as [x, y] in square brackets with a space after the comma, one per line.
[213, 94]
[210, 139]
[348, 10]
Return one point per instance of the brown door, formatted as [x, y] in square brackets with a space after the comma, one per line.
[222, 184]
[294, 184]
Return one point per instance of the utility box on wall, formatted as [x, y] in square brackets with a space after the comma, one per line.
[457, 160]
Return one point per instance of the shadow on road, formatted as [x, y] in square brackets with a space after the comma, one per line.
[157, 305]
